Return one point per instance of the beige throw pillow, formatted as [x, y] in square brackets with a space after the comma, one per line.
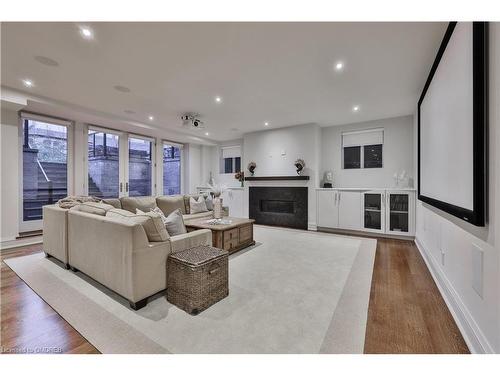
[175, 223]
[150, 221]
[197, 205]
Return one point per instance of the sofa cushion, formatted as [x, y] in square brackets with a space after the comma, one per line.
[142, 203]
[150, 221]
[201, 215]
[197, 205]
[170, 203]
[175, 223]
[95, 208]
[115, 202]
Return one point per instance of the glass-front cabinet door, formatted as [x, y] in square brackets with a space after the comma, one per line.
[399, 212]
[373, 206]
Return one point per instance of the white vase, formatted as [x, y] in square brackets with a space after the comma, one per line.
[217, 208]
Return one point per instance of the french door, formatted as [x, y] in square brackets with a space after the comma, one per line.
[46, 176]
[119, 164]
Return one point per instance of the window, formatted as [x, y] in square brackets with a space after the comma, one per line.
[352, 157]
[171, 169]
[45, 165]
[140, 167]
[103, 172]
[230, 159]
[362, 149]
[372, 156]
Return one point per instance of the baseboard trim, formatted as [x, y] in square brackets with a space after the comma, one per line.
[472, 334]
[312, 226]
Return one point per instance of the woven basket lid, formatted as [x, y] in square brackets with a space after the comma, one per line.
[198, 255]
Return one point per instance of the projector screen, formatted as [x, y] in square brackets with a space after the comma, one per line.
[452, 125]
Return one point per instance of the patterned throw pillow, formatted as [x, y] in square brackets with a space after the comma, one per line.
[197, 205]
[157, 210]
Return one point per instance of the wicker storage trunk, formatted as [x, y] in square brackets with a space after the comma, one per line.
[197, 278]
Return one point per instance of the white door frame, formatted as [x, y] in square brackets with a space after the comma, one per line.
[32, 225]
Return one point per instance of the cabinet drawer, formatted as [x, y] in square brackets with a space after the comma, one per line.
[245, 233]
[231, 239]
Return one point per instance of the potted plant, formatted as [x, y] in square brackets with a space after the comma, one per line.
[240, 176]
[299, 164]
[251, 167]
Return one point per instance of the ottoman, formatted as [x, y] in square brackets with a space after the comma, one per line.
[197, 278]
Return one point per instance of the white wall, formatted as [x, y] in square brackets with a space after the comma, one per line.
[440, 235]
[397, 153]
[9, 185]
[275, 151]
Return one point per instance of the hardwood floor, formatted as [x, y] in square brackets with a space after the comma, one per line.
[406, 314]
[28, 324]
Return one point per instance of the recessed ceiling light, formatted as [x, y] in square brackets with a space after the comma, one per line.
[121, 88]
[207, 134]
[339, 66]
[151, 118]
[86, 32]
[28, 82]
[218, 99]
[355, 108]
[266, 124]
[46, 61]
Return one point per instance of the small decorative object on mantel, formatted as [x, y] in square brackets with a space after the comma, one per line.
[401, 180]
[251, 167]
[328, 179]
[240, 176]
[299, 164]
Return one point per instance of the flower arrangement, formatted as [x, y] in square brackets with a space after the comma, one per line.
[240, 176]
[217, 189]
[251, 167]
[299, 164]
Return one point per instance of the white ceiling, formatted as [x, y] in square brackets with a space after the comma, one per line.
[282, 73]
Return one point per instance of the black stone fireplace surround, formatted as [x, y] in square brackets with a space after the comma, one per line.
[283, 206]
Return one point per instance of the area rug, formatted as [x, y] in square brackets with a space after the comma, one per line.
[293, 292]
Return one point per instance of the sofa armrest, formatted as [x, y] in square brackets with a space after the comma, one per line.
[55, 232]
[191, 239]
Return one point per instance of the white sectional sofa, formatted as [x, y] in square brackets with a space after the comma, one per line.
[118, 253]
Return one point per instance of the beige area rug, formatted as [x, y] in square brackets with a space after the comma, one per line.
[293, 292]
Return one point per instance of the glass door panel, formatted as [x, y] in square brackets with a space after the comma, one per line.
[45, 168]
[103, 177]
[398, 212]
[373, 211]
[171, 170]
[140, 167]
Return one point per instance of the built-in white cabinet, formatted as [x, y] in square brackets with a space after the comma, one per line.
[400, 207]
[373, 211]
[384, 211]
[349, 203]
[233, 199]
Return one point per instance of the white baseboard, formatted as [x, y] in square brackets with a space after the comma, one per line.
[312, 226]
[472, 334]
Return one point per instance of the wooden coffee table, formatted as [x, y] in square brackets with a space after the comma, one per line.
[231, 237]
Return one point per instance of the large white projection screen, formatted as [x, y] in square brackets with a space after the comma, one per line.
[446, 125]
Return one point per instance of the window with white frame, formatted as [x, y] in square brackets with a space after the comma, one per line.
[362, 149]
[230, 159]
[172, 155]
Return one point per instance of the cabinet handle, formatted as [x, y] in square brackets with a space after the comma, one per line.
[121, 187]
[126, 187]
[340, 196]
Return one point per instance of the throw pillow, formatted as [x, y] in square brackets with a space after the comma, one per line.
[151, 222]
[197, 205]
[158, 211]
[175, 223]
[95, 208]
[210, 203]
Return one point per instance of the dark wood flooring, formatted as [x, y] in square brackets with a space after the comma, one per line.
[406, 314]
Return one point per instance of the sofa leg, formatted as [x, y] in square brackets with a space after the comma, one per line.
[139, 304]
[47, 255]
[74, 269]
[67, 266]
